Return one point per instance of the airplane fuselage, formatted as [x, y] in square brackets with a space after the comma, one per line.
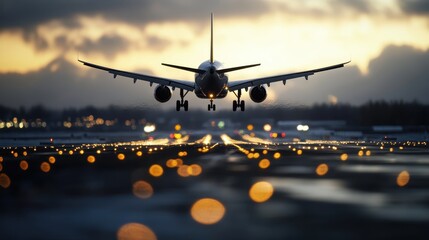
[211, 84]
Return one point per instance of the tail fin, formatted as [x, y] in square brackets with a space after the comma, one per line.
[211, 38]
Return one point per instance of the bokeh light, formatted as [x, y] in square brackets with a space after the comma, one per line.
[156, 170]
[23, 165]
[135, 231]
[45, 167]
[139, 153]
[52, 159]
[207, 211]
[403, 178]
[142, 189]
[261, 191]
[277, 155]
[264, 163]
[183, 170]
[322, 169]
[121, 156]
[344, 157]
[4, 180]
[177, 127]
[194, 170]
[90, 159]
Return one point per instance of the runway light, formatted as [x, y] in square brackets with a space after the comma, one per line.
[142, 189]
[360, 153]
[261, 191]
[207, 211]
[250, 127]
[45, 167]
[51, 159]
[139, 153]
[299, 152]
[344, 157]
[135, 231]
[177, 127]
[90, 159]
[403, 179]
[194, 170]
[277, 155]
[302, 128]
[267, 127]
[264, 163]
[121, 156]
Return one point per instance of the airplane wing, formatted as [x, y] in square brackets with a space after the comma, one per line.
[186, 85]
[236, 85]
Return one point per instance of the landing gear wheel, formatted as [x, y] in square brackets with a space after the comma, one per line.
[242, 106]
[178, 105]
[185, 105]
[214, 107]
[211, 106]
[234, 106]
[239, 103]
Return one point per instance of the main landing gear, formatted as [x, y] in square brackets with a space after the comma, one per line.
[211, 106]
[182, 103]
[238, 103]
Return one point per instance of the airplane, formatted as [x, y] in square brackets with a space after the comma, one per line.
[211, 81]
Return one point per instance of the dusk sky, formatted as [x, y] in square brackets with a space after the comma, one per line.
[386, 40]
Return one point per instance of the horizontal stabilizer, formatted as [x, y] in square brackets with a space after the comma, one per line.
[237, 68]
[195, 70]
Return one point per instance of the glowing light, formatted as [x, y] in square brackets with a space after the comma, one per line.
[207, 211]
[183, 154]
[265, 152]
[177, 127]
[90, 159]
[267, 127]
[303, 128]
[99, 151]
[322, 169]
[121, 156]
[142, 189]
[156, 170]
[299, 152]
[23, 165]
[264, 163]
[277, 155]
[1, 167]
[24, 153]
[1, 159]
[139, 153]
[194, 170]
[177, 136]
[261, 191]
[403, 179]
[71, 152]
[172, 163]
[360, 153]
[4, 180]
[390, 149]
[344, 157]
[368, 153]
[15, 154]
[52, 159]
[81, 152]
[135, 231]
[183, 171]
[45, 167]
[60, 152]
[149, 128]
[250, 127]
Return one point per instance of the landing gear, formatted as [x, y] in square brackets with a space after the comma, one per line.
[211, 106]
[182, 103]
[239, 103]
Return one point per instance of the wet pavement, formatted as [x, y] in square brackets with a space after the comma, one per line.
[216, 187]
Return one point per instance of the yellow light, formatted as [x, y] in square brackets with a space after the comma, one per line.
[139, 153]
[1, 167]
[322, 169]
[156, 170]
[368, 153]
[183, 171]
[71, 152]
[177, 127]
[390, 149]
[4, 180]
[265, 152]
[299, 152]
[52, 159]
[15, 154]
[211, 95]
[121, 156]
[250, 127]
[177, 136]
[360, 153]
[90, 159]
[344, 157]
[23, 165]
[256, 155]
[142, 189]
[261, 191]
[81, 152]
[194, 170]
[403, 179]
[207, 211]
[267, 127]
[99, 151]
[264, 163]
[277, 155]
[45, 167]
[60, 152]
[135, 231]
[1, 159]
[24, 153]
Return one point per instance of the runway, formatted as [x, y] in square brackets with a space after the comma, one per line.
[215, 186]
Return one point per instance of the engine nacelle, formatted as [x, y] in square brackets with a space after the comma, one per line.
[258, 94]
[162, 93]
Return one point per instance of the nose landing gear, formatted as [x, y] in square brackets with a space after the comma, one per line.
[182, 103]
[211, 106]
[239, 103]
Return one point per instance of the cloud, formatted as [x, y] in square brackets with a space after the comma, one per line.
[419, 7]
[27, 14]
[107, 45]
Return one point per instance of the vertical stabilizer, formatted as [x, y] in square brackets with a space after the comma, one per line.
[211, 38]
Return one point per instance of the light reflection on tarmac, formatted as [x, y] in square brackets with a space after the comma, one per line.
[215, 186]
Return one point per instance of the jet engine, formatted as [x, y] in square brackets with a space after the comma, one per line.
[258, 94]
[162, 93]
